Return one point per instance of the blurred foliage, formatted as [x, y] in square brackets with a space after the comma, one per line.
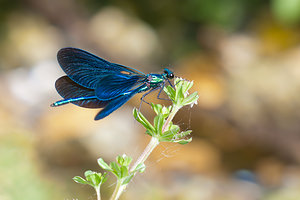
[228, 14]
[20, 175]
[287, 11]
[6, 7]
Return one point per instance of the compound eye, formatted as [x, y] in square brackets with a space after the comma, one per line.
[171, 75]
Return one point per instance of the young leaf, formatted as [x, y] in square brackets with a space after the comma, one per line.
[155, 121]
[120, 160]
[103, 164]
[179, 95]
[165, 111]
[190, 99]
[127, 160]
[124, 171]
[127, 179]
[116, 169]
[80, 180]
[177, 82]
[88, 173]
[142, 119]
[150, 133]
[158, 123]
[139, 168]
[188, 86]
[91, 177]
[96, 179]
[157, 108]
[183, 134]
[170, 92]
[183, 141]
[104, 177]
[169, 134]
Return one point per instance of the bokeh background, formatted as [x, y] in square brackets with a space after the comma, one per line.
[244, 58]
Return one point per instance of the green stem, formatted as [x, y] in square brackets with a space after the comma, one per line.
[117, 192]
[143, 157]
[170, 118]
[119, 187]
[98, 192]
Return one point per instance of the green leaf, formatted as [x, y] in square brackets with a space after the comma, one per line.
[124, 172]
[135, 115]
[190, 99]
[88, 173]
[167, 91]
[183, 141]
[104, 177]
[170, 92]
[80, 180]
[173, 126]
[142, 119]
[124, 160]
[183, 134]
[169, 134]
[180, 94]
[139, 168]
[165, 111]
[150, 133]
[155, 121]
[177, 82]
[158, 123]
[178, 87]
[120, 160]
[96, 179]
[116, 169]
[157, 108]
[188, 86]
[93, 178]
[127, 161]
[138, 118]
[103, 164]
[127, 179]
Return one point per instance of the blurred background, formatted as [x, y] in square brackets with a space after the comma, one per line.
[244, 58]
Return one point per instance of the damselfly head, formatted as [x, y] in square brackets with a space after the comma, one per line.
[169, 74]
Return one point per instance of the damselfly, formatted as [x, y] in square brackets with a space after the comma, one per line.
[92, 82]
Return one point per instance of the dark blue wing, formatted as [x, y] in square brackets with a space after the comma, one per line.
[87, 69]
[68, 89]
[112, 86]
[116, 103]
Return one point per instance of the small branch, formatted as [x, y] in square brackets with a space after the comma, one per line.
[170, 118]
[98, 193]
[143, 157]
[117, 191]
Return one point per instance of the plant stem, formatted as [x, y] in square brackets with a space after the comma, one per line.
[170, 118]
[117, 191]
[149, 148]
[98, 193]
[143, 157]
[119, 187]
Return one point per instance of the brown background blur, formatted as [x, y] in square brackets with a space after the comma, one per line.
[244, 58]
